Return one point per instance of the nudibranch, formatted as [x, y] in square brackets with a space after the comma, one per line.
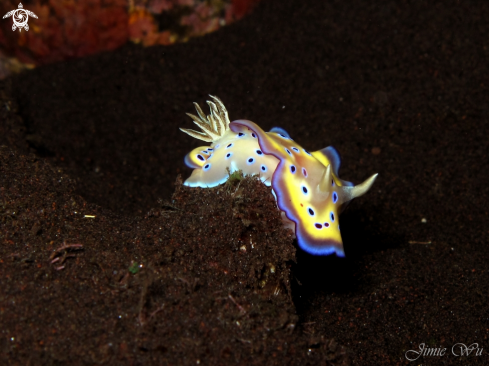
[306, 185]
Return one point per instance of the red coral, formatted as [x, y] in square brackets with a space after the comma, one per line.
[76, 28]
[66, 28]
[240, 8]
[203, 20]
[142, 28]
[159, 6]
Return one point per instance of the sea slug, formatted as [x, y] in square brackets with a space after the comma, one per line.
[305, 184]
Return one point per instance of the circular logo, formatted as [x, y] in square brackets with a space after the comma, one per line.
[20, 18]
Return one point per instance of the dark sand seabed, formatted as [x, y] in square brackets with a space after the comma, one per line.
[400, 88]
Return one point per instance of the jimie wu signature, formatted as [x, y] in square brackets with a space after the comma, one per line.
[458, 350]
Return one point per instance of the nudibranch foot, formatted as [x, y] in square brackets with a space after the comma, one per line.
[305, 185]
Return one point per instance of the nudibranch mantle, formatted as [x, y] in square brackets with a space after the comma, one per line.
[306, 185]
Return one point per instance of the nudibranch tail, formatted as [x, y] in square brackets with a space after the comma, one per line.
[306, 185]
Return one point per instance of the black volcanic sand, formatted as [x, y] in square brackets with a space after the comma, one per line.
[168, 275]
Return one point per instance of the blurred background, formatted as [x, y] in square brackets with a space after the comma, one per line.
[72, 29]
